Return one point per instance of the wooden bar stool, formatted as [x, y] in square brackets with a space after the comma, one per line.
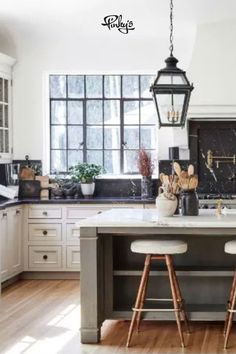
[230, 247]
[159, 250]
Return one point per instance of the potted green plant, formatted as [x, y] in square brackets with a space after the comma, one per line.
[85, 173]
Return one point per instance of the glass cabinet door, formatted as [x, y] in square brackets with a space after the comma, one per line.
[4, 115]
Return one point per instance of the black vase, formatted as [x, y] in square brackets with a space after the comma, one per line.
[177, 207]
[189, 203]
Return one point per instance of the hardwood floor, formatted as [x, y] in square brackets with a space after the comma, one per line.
[42, 317]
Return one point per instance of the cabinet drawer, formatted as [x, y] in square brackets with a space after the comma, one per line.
[44, 232]
[73, 257]
[45, 213]
[72, 233]
[45, 257]
[83, 213]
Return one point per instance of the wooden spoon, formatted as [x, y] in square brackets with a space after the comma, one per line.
[185, 183]
[184, 174]
[177, 168]
[193, 183]
[162, 177]
[190, 170]
[166, 179]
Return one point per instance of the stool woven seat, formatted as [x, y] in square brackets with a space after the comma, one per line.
[159, 246]
[230, 247]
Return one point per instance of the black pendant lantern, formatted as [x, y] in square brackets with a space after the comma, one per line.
[171, 89]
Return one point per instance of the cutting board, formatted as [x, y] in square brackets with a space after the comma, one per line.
[26, 173]
[44, 184]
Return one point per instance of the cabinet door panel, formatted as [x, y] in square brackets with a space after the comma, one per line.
[73, 257]
[82, 213]
[72, 233]
[44, 213]
[4, 246]
[42, 257]
[45, 232]
[15, 224]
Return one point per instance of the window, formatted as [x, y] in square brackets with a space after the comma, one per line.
[102, 119]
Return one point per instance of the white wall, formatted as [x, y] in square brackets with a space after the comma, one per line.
[83, 55]
[206, 52]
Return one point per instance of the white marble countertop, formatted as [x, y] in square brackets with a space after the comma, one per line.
[149, 218]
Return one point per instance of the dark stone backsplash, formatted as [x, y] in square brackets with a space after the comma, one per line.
[217, 136]
[220, 138]
[121, 187]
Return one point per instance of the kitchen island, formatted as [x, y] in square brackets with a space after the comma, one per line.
[110, 272]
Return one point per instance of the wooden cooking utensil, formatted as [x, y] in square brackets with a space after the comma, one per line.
[177, 168]
[190, 170]
[184, 174]
[166, 179]
[184, 183]
[26, 173]
[193, 182]
[162, 177]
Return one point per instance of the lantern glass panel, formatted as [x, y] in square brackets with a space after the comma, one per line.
[172, 79]
[170, 107]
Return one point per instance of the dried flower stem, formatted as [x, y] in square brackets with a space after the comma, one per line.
[145, 165]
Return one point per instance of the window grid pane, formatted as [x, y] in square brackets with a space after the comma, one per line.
[103, 119]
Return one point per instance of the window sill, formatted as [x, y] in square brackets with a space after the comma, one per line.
[107, 176]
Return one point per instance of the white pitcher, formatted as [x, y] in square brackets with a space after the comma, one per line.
[166, 203]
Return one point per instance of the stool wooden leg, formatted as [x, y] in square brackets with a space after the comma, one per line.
[230, 316]
[138, 298]
[230, 301]
[169, 265]
[181, 301]
[139, 315]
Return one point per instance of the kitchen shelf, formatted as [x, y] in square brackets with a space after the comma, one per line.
[183, 273]
[199, 312]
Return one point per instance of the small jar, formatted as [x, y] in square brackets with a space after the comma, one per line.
[189, 203]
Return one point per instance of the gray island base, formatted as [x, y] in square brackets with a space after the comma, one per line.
[110, 272]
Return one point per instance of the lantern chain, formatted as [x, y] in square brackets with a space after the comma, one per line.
[171, 28]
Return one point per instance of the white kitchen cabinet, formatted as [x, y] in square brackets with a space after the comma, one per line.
[11, 229]
[4, 245]
[73, 257]
[41, 257]
[52, 241]
[6, 64]
[44, 212]
[45, 232]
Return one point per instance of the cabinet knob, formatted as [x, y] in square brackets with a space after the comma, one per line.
[4, 215]
[45, 232]
[45, 213]
[45, 257]
[17, 211]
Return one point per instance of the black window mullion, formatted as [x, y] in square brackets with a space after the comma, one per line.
[121, 127]
[122, 100]
[67, 159]
[50, 143]
[103, 128]
[84, 123]
[139, 112]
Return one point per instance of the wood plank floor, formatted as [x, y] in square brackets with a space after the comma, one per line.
[42, 317]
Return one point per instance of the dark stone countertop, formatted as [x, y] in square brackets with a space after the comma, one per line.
[7, 203]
